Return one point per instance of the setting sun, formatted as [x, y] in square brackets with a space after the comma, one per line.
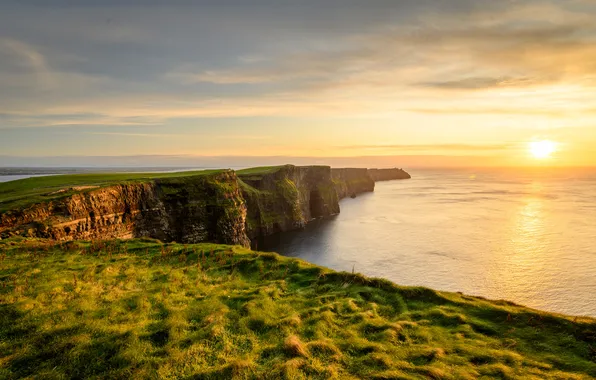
[542, 149]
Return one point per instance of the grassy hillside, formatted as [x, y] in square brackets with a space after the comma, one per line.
[141, 309]
[24, 192]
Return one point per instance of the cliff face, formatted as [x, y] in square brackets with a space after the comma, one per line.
[388, 174]
[351, 182]
[288, 198]
[219, 207]
[186, 209]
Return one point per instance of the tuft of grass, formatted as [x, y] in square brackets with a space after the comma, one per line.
[143, 309]
[294, 347]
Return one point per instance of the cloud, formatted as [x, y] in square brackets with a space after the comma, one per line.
[160, 135]
[433, 147]
[24, 119]
[24, 58]
[482, 83]
[149, 65]
[503, 111]
[32, 57]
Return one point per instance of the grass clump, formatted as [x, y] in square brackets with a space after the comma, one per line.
[294, 347]
[144, 309]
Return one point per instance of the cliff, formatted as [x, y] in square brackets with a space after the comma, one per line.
[188, 209]
[351, 182]
[223, 206]
[286, 198]
[388, 174]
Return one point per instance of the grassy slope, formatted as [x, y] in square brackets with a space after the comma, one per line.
[140, 309]
[24, 192]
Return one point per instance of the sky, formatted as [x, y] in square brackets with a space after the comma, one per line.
[422, 82]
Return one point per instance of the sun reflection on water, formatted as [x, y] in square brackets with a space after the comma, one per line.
[525, 260]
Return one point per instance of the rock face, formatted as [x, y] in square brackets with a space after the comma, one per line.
[185, 209]
[388, 174]
[288, 198]
[223, 207]
[351, 182]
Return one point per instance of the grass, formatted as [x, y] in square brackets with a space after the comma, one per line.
[255, 174]
[25, 192]
[143, 309]
[259, 170]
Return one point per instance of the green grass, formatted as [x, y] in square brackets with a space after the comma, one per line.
[25, 192]
[260, 170]
[142, 309]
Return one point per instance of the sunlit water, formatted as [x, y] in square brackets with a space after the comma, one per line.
[525, 237]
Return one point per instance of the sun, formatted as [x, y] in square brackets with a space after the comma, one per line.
[543, 149]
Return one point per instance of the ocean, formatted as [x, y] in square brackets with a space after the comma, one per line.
[524, 236]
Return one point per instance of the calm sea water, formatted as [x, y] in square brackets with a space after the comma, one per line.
[528, 237]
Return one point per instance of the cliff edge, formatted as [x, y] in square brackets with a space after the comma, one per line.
[221, 206]
[187, 209]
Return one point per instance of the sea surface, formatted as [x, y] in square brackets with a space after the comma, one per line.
[524, 236]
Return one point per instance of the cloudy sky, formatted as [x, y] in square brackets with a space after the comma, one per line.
[320, 78]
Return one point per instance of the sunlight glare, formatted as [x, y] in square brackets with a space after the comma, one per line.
[542, 149]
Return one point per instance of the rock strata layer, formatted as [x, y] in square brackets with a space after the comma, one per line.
[184, 209]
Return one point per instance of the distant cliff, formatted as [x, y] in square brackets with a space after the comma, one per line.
[388, 174]
[287, 197]
[351, 182]
[224, 206]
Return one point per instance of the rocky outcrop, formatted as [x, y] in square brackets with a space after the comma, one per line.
[287, 198]
[183, 209]
[388, 174]
[351, 182]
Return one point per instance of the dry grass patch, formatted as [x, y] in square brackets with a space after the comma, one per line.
[293, 346]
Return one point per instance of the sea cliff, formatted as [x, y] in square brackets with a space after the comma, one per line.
[185, 209]
[388, 174]
[351, 182]
[287, 197]
[225, 206]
